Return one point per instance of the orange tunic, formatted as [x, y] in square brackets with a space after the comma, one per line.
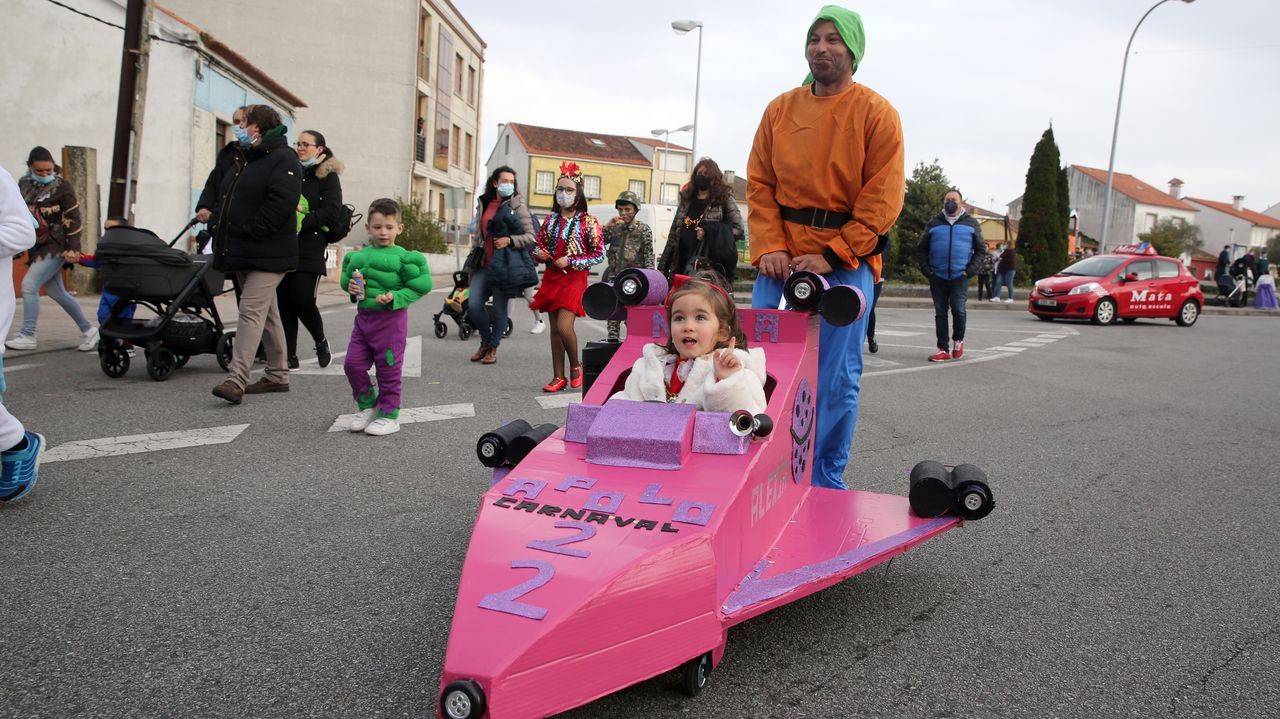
[841, 153]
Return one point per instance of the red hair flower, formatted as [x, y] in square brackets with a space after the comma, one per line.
[571, 171]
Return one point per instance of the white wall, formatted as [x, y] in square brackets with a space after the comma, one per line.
[1161, 212]
[1216, 228]
[61, 76]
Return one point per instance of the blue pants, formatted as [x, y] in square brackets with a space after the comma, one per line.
[1003, 279]
[105, 304]
[952, 295]
[839, 374]
[490, 325]
[47, 272]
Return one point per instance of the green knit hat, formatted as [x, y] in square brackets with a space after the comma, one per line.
[849, 25]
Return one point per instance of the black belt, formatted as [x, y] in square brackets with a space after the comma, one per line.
[823, 219]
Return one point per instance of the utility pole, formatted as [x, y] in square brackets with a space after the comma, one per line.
[130, 106]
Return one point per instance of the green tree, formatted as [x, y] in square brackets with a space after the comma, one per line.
[926, 187]
[1042, 231]
[1172, 238]
[421, 229]
[1273, 249]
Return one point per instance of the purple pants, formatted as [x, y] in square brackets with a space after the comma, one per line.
[377, 339]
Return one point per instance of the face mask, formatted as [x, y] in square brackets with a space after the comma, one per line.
[506, 189]
[950, 206]
[312, 161]
[242, 135]
[702, 182]
[566, 199]
[47, 179]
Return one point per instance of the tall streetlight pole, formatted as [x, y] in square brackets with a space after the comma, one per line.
[1115, 131]
[681, 27]
[665, 134]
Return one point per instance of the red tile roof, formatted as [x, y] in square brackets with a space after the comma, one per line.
[575, 145]
[238, 61]
[1256, 218]
[1136, 189]
[655, 142]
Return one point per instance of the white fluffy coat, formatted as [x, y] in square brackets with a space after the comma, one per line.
[743, 389]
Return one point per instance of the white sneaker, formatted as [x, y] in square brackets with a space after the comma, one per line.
[89, 340]
[995, 299]
[362, 420]
[382, 426]
[1009, 301]
[538, 328]
[21, 342]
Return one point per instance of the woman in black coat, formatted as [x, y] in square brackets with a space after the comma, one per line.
[318, 210]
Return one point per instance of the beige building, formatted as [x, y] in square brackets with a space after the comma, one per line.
[370, 71]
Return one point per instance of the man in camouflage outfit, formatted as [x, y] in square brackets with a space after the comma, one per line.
[630, 244]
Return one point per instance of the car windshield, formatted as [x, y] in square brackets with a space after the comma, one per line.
[1099, 266]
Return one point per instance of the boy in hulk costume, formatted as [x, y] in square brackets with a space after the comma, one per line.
[391, 278]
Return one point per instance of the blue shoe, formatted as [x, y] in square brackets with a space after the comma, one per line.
[20, 469]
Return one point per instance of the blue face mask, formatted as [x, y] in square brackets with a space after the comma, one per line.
[950, 206]
[47, 179]
[312, 161]
[506, 189]
[242, 135]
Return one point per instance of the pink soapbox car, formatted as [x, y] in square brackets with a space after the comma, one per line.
[626, 544]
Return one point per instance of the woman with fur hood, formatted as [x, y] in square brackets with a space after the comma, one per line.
[318, 210]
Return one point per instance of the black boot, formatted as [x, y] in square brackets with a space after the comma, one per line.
[323, 355]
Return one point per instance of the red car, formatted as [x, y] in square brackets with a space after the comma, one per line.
[1134, 281]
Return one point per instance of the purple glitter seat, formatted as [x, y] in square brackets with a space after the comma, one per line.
[650, 435]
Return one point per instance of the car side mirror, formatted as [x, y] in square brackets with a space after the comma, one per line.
[1131, 277]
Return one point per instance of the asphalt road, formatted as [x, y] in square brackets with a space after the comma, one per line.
[1130, 568]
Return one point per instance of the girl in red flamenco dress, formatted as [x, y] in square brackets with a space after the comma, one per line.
[569, 242]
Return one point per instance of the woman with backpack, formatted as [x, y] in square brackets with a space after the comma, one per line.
[502, 267]
[319, 224]
[707, 226]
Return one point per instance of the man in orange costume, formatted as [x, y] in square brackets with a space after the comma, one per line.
[825, 181]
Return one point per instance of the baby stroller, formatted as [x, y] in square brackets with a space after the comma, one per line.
[455, 306]
[1233, 291]
[141, 269]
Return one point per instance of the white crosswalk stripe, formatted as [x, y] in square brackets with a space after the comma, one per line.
[896, 333]
[412, 361]
[415, 415]
[559, 399]
[139, 443]
[1008, 348]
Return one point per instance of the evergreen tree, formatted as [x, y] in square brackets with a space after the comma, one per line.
[926, 187]
[1042, 231]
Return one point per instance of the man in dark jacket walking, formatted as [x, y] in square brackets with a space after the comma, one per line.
[950, 250]
[256, 236]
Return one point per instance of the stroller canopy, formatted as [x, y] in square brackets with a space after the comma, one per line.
[130, 242]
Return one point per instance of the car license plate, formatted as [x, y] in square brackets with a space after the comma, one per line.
[1048, 304]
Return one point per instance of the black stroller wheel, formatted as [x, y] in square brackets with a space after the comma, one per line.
[181, 359]
[223, 350]
[161, 363]
[441, 330]
[114, 361]
[510, 326]
[464, 331]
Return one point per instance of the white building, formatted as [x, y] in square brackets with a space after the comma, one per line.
[369, 70]
[62, 74]
[1230, 223]
[1136, 206]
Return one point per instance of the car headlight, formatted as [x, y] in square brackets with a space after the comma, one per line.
[1085, 288]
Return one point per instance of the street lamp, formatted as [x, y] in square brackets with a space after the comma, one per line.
[1111, 164]
[681, 27]
[666, 152]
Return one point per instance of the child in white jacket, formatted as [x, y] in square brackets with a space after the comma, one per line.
[19, 448]
[701, 363]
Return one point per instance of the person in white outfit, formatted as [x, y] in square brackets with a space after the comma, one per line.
[21, 457]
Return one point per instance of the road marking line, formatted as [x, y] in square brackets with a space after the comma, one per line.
[897, 333]
[20, 367]
[1040, 341]
[139, 443]
[416, 414]
[1009, 348]
[1023, 343]
[412, 362]
[559, 399]
[937, 365]
[878, 362]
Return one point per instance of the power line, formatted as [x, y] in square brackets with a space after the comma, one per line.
[108, 23]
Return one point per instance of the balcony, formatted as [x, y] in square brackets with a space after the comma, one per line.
[420, 147]
[424, 68]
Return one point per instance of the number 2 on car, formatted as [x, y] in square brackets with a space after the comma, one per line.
[505, 601]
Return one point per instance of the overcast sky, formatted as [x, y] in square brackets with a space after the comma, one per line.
[976, 83]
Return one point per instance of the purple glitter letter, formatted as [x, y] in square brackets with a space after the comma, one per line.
[505, 601]
[530, 488]
[573, 482]
[650, 495]
[607, 502]
[685, 513]
[766, 326]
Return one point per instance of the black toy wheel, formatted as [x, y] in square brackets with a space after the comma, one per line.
[464, 331]
[463, 699]
[441, 330]
[114, 361]
[161, 363]
[694, 674]
[510, 326]
[181, 359]
[973, 498]
[223, 349]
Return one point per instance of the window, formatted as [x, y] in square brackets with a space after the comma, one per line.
[424, 48]
[471, 86]
[670, 194]
[544, 182]
[506, 145]
[1151, 221]
[597, 143]
[591, 187]
[1142, 268]
[222, 135]
[457, 145]
[457, 75]
[1166, 269]
[444, 73]
[673, 161]
[637, 186]
[443, 117]
[467, 161]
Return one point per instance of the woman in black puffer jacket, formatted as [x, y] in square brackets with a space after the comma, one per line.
[256, 237]
[318, 209]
